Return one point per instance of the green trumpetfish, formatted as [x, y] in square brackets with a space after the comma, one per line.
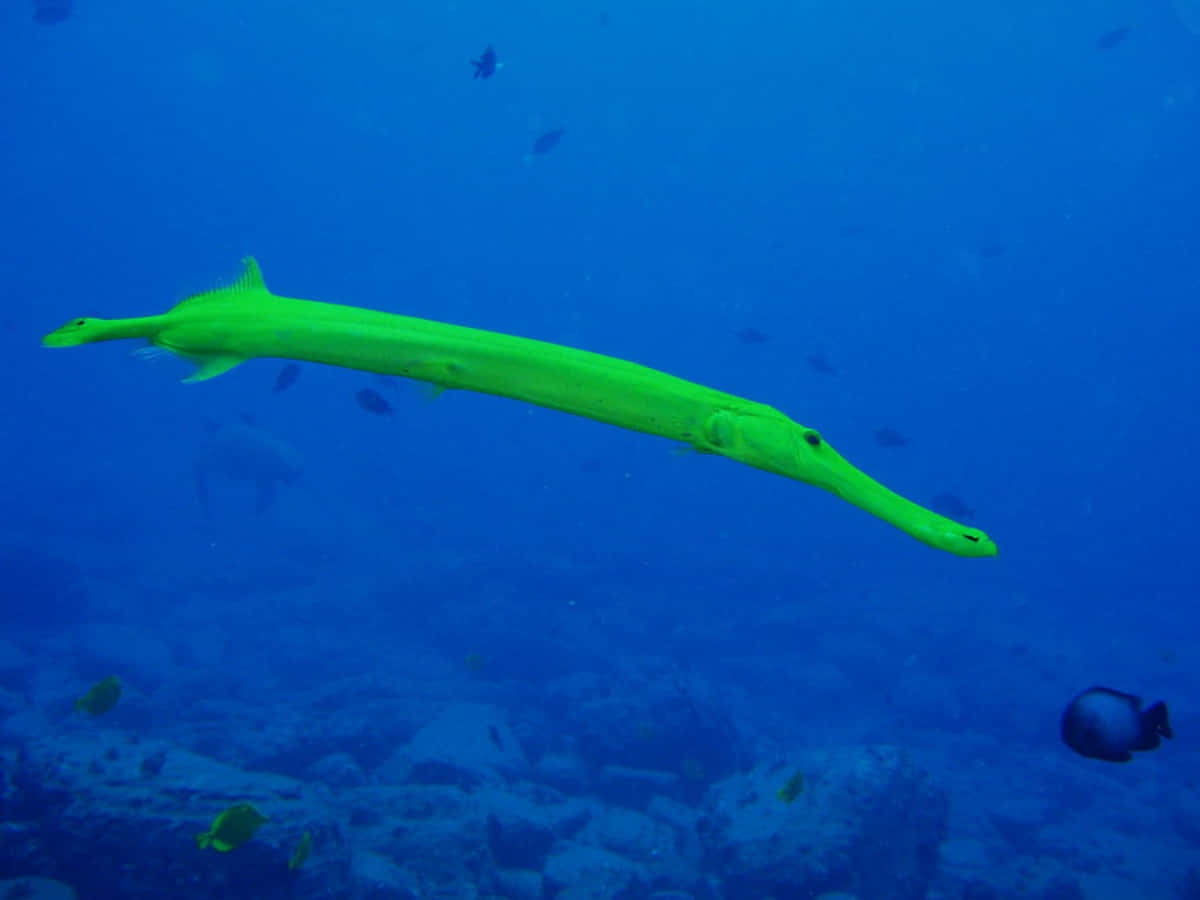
[221, 328]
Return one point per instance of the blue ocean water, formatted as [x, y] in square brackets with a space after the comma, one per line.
[972, 227]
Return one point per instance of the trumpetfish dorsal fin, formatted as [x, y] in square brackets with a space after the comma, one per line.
[251, 278]
[249, 282]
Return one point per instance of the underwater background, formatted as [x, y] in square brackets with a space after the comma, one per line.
[472, 648]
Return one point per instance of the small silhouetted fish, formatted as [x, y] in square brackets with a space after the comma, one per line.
[101, 697]
[485, 66]
[548, 141]
[1101, 723]
[991, 251]
[889, 437]
[949, 505]
[494, 734]
[390, 383]
[373, 402]
[286, 378]
[818, 362]
[752, 336]
[853, 230]
[1110, 39]
[153, 764]
[50, 12]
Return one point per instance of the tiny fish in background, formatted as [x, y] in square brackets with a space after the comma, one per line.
[391, 383]
[51, 12]
[1101, 723]
[244, 452]
[889, 437]
[949, 505]
[1110, 39]
[752, 336]
[286, 378]
[792, 788]
[301, 853]
[153, 764]
[373, 402]
[548, 141]
[485, 66]
[818, 362]
[231, 828]
[101, 697]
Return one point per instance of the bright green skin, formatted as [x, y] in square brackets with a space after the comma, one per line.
[221, 328]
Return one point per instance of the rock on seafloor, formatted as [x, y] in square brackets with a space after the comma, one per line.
[868, 821]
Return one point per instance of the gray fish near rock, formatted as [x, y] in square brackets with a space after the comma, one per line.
[245, 452]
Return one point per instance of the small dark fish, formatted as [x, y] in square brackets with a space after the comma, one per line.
[1110, 39]
[153, 764]
[752, 336]
[992, 251]
[853, 230]
[818, 362]
[494, 734]
[373, 402]
[101, 697]
[485, 66]
[889, 437]
[390, 383]
[792, 788]
[286, 378]
[51, 12]
[548, 141]
[949, 505]
[301, 853]
[1101, 723]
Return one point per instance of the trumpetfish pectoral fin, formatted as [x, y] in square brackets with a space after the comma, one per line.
[211, 366]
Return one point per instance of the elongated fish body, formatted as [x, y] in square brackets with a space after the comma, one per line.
[1101, 723]
[221, 328]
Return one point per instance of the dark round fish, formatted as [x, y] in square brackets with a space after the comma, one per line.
[1101, 723]
[286, 378]
[373, 402]
[548, 141]
[889, 437]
